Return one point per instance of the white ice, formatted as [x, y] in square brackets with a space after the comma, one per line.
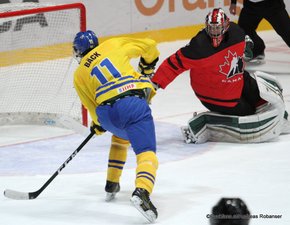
[190, 179]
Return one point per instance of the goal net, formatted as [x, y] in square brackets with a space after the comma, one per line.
[36, 64]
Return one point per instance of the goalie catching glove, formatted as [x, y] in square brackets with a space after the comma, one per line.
[147, 69]
[97, 128]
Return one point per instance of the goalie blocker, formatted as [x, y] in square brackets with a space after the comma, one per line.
[270, 120]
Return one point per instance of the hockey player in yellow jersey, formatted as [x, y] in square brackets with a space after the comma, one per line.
[117, 98]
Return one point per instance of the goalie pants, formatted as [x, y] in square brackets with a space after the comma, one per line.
[274, 12]
[246, 104]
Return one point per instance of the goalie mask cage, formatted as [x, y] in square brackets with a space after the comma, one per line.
[36, 63]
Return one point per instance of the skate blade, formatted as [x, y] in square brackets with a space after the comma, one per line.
[110, 196]
[149, 214]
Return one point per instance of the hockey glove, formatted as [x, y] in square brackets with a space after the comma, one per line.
[248, 54]
[147, 69]
[97, 128]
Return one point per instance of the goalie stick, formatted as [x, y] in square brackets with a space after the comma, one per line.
[32, 195]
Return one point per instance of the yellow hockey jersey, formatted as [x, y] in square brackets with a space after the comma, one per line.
[105, 72]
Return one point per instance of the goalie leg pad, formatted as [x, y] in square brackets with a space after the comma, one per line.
[269, 78]
[198, 134]
[271, 91]
[209, 126]
[188, 137]
[267, 124]
[263, 126]
[286, 124]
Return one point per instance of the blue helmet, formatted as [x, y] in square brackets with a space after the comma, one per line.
[84, 42]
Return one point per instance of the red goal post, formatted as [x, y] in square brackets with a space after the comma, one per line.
[36, 64]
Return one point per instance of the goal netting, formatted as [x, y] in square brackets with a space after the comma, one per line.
[36, 64]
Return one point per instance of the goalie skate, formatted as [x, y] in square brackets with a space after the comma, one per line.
[112, 189]
[187, 135]
[141, 201]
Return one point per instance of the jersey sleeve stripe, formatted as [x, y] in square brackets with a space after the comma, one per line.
[171, 64]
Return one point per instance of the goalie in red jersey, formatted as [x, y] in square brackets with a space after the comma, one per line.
[215, 59]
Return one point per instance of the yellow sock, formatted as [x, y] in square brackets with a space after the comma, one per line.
[117, 158]
[147, 165]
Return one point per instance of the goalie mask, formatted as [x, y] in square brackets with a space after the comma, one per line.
[217, 23]
[83, 43]
[230, 211]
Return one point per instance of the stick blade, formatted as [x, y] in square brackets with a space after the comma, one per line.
[17, 195]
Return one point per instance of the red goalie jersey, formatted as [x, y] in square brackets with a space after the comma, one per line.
[216, 73]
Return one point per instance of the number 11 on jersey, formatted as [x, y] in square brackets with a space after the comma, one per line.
[110, 67]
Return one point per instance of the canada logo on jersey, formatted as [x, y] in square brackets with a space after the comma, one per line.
[233, 65]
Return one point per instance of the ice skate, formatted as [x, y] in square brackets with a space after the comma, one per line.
[112, 189]
[141, 201]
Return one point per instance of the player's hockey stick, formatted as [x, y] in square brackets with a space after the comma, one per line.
[32, 195]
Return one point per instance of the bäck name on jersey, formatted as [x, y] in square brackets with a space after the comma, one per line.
[91, 59]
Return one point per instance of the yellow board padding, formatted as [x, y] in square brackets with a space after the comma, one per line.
[264, 25]
[32, 55]
[163, 35]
